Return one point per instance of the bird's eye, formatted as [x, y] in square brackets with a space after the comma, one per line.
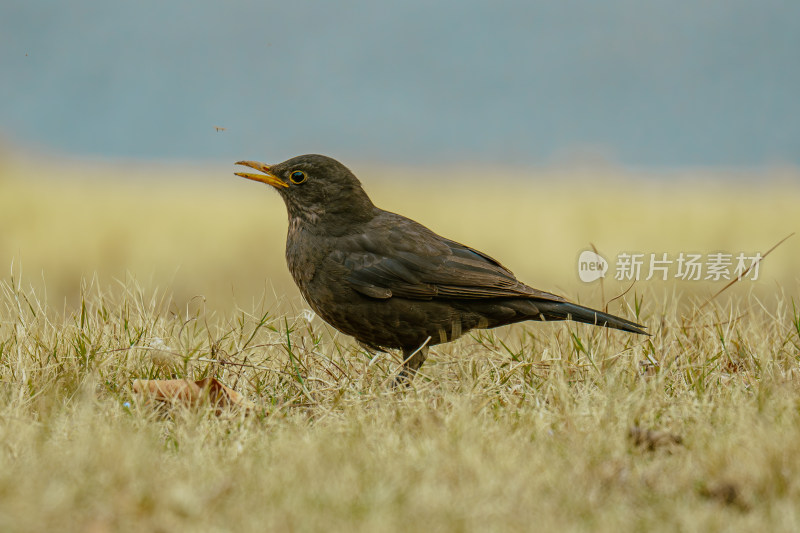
[298, 177]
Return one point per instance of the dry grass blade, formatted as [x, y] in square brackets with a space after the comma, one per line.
[746, 271]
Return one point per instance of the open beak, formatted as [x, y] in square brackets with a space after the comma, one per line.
[267, 177]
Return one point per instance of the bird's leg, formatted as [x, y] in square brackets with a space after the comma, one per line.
[412, 360]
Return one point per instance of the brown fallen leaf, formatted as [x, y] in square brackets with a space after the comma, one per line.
[652, 439]
[725, 492]
[191, 393]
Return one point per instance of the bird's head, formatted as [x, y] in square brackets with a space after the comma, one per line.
[316, 189]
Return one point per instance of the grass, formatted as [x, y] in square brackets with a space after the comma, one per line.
[535, 426]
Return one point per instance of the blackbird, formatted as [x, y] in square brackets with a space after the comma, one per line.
[391, 282]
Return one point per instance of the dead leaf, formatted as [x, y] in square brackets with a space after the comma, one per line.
[725, 492]
[651, 439]
[191, 393]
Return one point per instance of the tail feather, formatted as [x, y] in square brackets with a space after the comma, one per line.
[569, 311]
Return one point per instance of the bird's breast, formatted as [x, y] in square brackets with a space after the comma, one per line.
[308, 256]
[301, 259]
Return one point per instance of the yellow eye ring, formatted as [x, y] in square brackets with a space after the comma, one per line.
[298, 176]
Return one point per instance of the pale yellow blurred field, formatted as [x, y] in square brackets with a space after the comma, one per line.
[197, 231]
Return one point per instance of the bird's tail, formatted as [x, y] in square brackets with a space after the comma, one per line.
[569, 311]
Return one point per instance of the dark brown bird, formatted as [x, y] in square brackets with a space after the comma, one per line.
[391, 282]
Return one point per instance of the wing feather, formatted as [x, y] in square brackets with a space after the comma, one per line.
[399, 258]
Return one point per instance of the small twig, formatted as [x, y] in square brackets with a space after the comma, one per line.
[621, 295]
[247, 365]
[743, 274]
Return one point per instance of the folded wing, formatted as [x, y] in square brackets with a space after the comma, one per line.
[406, 260]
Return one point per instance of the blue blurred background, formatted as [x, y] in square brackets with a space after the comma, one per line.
[646, 84]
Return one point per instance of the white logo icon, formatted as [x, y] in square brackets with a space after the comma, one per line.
[591, 266]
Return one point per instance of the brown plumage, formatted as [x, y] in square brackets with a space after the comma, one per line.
[391, 282]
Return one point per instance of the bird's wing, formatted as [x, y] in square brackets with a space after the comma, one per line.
[398, 257]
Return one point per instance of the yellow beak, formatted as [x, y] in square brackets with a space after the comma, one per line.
[267, 177]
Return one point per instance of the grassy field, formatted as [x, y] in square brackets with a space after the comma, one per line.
[127, 272]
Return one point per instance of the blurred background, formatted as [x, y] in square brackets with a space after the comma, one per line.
[530, 130]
